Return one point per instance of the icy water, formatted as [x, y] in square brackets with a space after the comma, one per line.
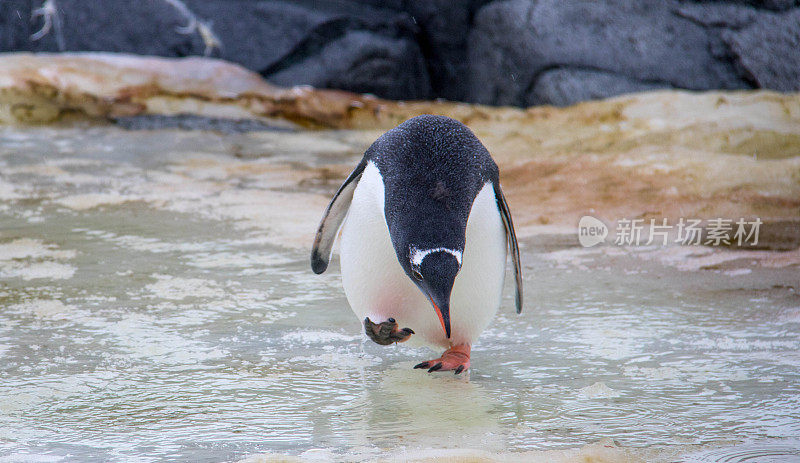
[156, 304]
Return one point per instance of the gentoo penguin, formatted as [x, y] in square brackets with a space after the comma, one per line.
[425, 229]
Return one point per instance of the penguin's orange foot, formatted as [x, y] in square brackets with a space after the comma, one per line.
[386, 333]
[455, 358]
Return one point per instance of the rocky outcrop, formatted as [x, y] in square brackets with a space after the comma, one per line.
[44, 88]
[563, 86]
[508, 52]
[343, 45]
[658, 154]
[767, 50]
[524, 52]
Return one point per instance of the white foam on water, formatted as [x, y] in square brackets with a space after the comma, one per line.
[746, 345]
[45, 309]
[32, 259]
[251, 263]
[738, 272]
[147, 244]
[142, 337]
[653, 373]
[182, 349]
[340, 359]
[598, 390]
[177, 288]
[27, 248]
[43, 169]
[92, 200]
[30, 458]
[695, 258]
[696, 371]
[318, 337]
[35, 271]
[52, 170]
[9, 191]
[576, 257]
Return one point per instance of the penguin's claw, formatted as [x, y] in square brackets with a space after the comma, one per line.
[386, 333]
[436, 367]
[455, 358]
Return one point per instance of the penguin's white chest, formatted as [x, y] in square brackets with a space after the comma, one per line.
[377, 287]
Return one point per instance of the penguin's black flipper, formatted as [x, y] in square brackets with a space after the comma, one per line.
[332, 219]
[511, 237]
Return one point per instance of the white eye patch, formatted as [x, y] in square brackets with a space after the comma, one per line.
[418, 255]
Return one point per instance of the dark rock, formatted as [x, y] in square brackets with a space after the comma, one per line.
[14, 24]
[146, 28]
[515, 52]
[268, 36]
[194, 122]
[443, 30]
[763, 45]
[768, 50]
[776, 5]
[718, 14]
[514, 42]
[362, 62]
[344, 44]
[565, 86]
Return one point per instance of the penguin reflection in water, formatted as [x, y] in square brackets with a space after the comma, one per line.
[425, 228]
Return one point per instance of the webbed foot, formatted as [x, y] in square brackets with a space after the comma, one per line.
[386, 333]
[455, 358]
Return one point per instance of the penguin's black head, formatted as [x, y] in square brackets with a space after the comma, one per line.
[434, 272]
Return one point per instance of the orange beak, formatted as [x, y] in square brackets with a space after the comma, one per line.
[444, 318]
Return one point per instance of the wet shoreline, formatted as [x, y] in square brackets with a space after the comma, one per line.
[156, 301]
[155, 281]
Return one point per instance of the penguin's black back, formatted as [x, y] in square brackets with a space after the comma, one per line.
[433, 168]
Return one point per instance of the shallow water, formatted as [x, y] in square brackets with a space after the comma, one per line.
[156, 304]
